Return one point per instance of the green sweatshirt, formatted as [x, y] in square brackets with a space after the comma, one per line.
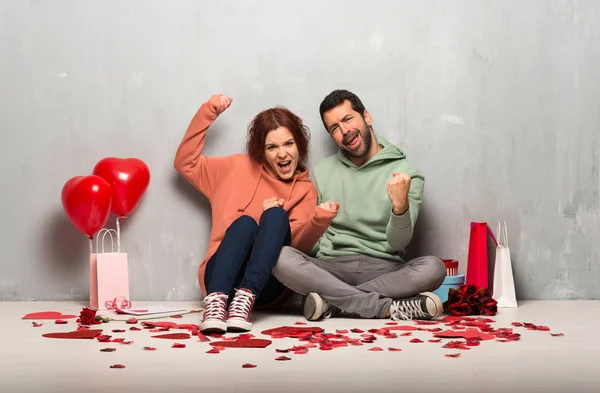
[365, 223]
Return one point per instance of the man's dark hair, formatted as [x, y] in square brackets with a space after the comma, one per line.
[337, 97]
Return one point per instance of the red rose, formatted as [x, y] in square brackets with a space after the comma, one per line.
[468, 291]
[454, 296]
[87, 316]
[489, 307]
[460, 309]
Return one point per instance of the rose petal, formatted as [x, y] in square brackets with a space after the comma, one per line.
[126, 342]
[391, 323]
[394, 349]
[435, 340]
[356, 330]
[60, 322]
[176, 316]
[149, 348]
[406, 334]
[452, 355]
[108, 349]
[341, 331]
[118, 331]
[135, 328]
[35, 324]
[517, 324]
[202, 337]
[282, 358]
[248, 365]
[178, 345]
[213, 350]
[375, 349]
[117, 366]
[132, 320]
[416, 340]
[557, 334]
[300, 323]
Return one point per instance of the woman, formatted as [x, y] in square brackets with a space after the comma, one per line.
[260, 202]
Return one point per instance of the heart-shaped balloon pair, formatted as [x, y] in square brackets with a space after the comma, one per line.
[116, 185]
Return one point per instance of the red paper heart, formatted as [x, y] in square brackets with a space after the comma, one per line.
[174, 336]
[286, 330]
[84, 334]
[469, 333]
[86, 201]
[48, 315]
[129, 179]
[247, 343]
[171, 325]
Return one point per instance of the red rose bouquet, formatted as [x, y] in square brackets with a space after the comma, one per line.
[471, 300]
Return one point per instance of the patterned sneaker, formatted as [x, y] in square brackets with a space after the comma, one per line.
[316, 308]
[425, 305]
[215, 310]
[240, 310]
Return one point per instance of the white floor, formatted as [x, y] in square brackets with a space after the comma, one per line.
[537, 363]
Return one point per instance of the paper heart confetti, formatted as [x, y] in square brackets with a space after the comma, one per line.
[77, 334]
[245, 343]
[173, 336]
[48, 315]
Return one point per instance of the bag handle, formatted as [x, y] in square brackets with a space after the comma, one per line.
[501, 232]
[105, 232]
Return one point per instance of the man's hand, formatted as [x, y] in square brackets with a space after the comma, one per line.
[397, 188]
[330, 206]
[219, 103]
[272, 202]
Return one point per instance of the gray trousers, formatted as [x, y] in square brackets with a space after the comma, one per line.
[358, 284]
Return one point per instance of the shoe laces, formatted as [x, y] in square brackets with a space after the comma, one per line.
[215, 305]
[406, 309]
[329, 312]
[241, 305]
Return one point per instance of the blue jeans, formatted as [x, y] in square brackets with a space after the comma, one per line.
[247, 255]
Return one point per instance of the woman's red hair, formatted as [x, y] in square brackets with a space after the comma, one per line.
[269, 120]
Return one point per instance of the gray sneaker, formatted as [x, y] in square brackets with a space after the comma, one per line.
[315, 308]
[425, 305]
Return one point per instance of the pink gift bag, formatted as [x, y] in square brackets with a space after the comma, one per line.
[478, 259]
[109, 274]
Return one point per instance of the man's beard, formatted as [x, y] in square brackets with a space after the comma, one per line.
[367, 139]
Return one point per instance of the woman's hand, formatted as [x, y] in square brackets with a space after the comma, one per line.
[330, 206]
[219, 103]
[272, 202]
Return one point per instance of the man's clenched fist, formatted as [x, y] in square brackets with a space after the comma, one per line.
[397, 188]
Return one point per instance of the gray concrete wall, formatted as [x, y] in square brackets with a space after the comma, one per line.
[498, 103]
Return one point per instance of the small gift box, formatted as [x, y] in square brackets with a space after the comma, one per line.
[451, 266]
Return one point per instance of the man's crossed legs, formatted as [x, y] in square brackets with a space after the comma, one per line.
[362, 285]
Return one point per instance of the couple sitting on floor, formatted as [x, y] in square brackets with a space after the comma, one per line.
[338, 240]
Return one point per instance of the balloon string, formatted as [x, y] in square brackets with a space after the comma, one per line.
[118, 236]
[91, 246]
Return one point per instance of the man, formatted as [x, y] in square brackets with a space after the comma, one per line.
[357, 266]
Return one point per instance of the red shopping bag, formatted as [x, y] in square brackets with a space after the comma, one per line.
[478, 259]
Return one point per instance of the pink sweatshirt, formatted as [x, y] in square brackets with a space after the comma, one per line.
[235, 185]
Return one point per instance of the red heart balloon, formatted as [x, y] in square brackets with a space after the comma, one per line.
[129, 178]
[86, 201]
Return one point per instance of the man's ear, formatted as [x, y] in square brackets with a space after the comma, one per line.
[367, 117]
